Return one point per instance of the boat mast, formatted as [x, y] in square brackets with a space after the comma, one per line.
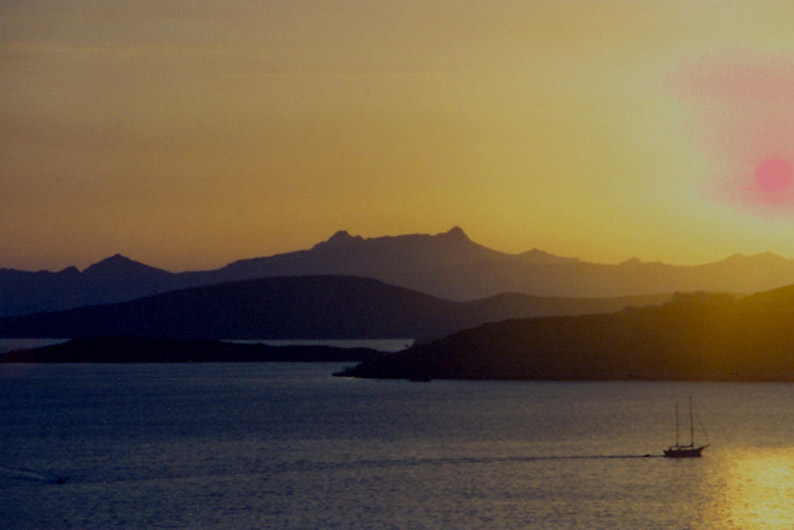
[676, 424]
[691, 424]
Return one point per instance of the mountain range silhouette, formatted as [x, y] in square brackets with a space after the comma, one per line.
[447, 265]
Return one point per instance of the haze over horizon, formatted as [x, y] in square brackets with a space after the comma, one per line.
[189, 134]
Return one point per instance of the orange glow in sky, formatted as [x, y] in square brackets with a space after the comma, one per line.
[188, 134]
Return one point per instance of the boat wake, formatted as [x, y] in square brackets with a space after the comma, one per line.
[32, 475]
[586, 457]
[569, 457]
[310, 466]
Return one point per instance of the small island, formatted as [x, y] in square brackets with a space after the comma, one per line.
[113, 349]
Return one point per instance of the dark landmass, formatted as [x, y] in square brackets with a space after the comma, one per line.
[303, 307]
[694, 337]
[148, 350]
[113, 279]
[448, 265]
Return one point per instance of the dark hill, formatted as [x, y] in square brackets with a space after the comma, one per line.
[692, 338]
[280, 308]
[302, 307]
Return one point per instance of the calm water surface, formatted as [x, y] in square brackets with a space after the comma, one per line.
[287, 446]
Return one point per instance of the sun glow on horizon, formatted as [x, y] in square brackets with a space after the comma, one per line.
[188, 136]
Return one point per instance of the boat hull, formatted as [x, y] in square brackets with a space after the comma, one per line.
[684, 452]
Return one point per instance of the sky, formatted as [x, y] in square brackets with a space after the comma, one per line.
[189, 134]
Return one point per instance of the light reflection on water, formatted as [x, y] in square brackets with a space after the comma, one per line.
[752, 488]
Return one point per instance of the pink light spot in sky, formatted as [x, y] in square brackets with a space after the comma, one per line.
[741, 110]
[773, 175]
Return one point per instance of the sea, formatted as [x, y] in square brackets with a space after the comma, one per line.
[288, 446]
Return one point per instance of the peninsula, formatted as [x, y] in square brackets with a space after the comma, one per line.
[694, 337]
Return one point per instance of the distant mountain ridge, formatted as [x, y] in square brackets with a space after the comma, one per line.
[114, 278]
[447, 265]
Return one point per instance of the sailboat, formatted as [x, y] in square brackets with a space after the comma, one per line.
[689, 450]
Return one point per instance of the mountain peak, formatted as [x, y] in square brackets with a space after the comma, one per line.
[342, 237]
[118, 265]
[541, 257]
[456, 233]
[631, 262]
[113, 262]
[754, 258]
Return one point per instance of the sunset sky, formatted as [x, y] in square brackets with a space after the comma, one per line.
[188, 134]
